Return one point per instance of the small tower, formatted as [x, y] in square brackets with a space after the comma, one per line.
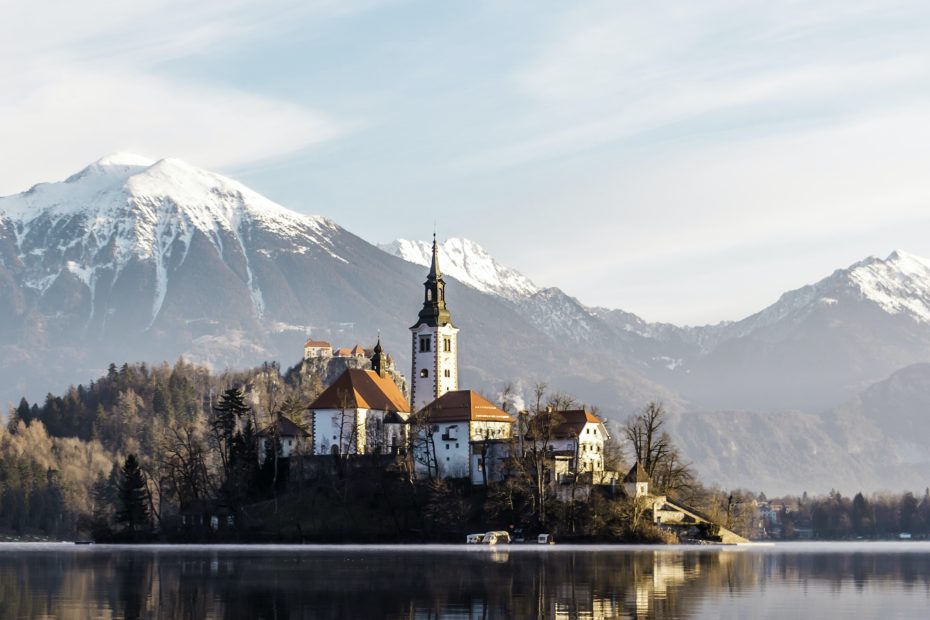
[435, 345]
[637, 481]
[378, 361]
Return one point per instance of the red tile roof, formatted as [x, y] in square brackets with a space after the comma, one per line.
[464, 405]
[318, 344]
[362, 389]
[358, 350]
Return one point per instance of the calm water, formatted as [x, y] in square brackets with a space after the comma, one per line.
[872, 580]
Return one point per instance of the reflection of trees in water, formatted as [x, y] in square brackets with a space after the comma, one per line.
[480, 583]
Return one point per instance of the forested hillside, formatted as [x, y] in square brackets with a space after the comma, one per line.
[55, 455]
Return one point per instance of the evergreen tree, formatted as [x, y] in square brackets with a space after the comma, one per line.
[133, 495]
[104, 499]
[243, 481]
[226, 416]
[23, 412]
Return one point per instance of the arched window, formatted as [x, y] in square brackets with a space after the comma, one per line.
[424, 373]
[429, 295]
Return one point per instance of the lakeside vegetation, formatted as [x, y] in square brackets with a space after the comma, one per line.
[146, 453]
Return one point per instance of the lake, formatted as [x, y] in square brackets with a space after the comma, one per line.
[813, 580]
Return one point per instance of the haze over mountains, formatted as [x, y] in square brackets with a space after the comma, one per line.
[132, 259]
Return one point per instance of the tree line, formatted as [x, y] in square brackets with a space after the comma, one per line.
[136, 450]
[838, 517]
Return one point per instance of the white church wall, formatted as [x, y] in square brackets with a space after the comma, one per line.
[338, 427]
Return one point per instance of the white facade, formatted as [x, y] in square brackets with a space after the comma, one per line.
[289, 445]
[435, 363]
[587, 446]
[313, 351]
[356, 431]
[456, 448]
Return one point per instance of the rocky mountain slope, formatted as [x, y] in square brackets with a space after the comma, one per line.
[762, 395]
[813, 348]
[132, 259]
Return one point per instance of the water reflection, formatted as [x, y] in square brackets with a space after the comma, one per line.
[605, 582]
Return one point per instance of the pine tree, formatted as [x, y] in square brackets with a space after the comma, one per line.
[23, 411]
[226, 416]
[103, 496]
[133, 495]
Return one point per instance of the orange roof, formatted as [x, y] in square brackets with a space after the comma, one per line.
[564, 424]
[318, 344]
[573, 422]
[464, 405]
[342, 352]
[358, 350]
[362, 389]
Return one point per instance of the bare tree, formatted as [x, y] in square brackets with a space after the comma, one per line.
[423, 443]
[537, 428]
[182, 463]
[653, 448]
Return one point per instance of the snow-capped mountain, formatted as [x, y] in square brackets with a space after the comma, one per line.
[819, 344]
[134, 259]
[125, 210]
[467, 262]
[898, 285]
[811, 349]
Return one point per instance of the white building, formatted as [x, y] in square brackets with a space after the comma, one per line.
[291, 438]
[463, 435]
[314, 349]
[581, 436]
[362, 412]
[435, 343]
[636, 482]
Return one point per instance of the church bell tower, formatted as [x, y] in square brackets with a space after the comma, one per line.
[435, 342]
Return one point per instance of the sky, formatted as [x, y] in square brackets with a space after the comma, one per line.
[686, 161]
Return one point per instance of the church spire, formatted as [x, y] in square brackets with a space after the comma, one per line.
[434, 272]
[378, 363]
[434, 312]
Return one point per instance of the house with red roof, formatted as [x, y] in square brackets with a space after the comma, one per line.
[462, 434]
[361, 412]
[580, 435]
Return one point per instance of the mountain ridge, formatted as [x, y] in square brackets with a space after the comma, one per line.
[137, 259]
[133, 259]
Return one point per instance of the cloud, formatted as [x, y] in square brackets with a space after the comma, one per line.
[84, 79]
[76, 117]
[611, 73]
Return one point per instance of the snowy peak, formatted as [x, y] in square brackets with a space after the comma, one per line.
[125, 208]
[899, 285]
[132, 188]
[123, 160]
[467, 262]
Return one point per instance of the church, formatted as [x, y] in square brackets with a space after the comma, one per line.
[448, 432]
